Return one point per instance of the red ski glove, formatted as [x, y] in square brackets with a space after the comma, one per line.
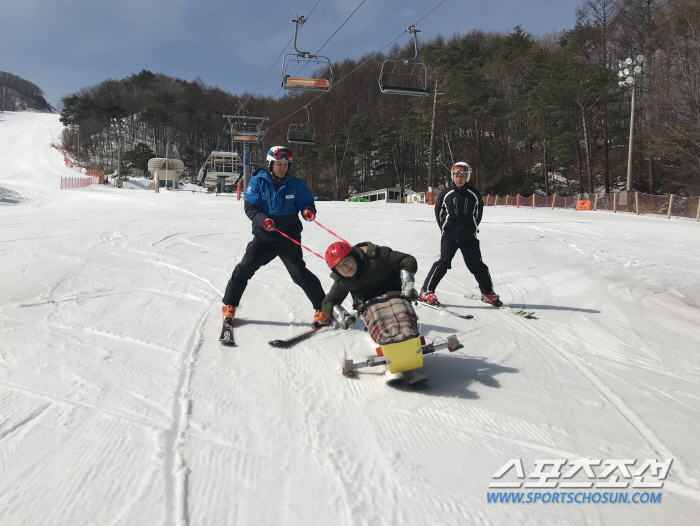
[268, 225]
[309, 214]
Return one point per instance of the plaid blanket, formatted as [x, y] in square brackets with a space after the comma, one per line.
[390, 320]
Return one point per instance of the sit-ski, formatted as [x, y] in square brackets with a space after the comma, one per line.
[403, 357]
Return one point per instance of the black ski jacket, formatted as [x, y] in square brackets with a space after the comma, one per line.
[379, 273]
[458, 212]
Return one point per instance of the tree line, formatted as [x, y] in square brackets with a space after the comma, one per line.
[18, 94]
[530, 114]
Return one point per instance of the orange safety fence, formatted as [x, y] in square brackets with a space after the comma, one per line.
[79, 182]
[631, 202]
[75, 166]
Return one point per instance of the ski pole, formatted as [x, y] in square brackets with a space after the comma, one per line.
[297, 242]
[336, 235]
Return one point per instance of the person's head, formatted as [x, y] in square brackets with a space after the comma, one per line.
[279, 158]
[340, 259]
[461, 172]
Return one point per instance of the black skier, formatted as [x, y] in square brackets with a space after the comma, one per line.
[458, 211]
[273, 199]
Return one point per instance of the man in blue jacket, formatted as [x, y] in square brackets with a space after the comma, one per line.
[273, 199]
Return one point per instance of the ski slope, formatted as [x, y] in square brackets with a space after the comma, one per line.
[119, 406]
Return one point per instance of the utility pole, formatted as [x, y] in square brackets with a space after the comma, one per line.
[432, 141]
[629, 70]
[431, 155]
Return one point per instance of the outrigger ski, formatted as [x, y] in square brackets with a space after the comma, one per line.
[518, 312]
[403, 358]
[443, 309]
[227, 332]
[295, 339]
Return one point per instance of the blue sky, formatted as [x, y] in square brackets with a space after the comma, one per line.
[65, 45]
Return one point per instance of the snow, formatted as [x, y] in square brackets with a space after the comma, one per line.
[119, 406]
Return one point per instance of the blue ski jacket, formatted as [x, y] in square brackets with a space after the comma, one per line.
[282, 205]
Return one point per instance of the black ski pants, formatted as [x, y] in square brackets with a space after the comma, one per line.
[258, 254]
[472, 257]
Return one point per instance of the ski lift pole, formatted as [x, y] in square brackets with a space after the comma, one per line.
[297, 242]
[336, 235]
[412, 30]
[299, 21]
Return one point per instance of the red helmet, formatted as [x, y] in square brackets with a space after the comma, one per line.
[337, 253]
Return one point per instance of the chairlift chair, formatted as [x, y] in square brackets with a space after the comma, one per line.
[405, 76]
[302, 133]
[304, 58]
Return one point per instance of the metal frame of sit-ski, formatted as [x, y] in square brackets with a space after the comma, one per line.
[406, 362]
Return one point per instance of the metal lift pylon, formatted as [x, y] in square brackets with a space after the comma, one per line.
[246, 129]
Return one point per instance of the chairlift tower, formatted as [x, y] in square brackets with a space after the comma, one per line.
[246, 130]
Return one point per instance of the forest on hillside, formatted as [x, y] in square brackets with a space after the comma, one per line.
[530, 114]
[18, 94]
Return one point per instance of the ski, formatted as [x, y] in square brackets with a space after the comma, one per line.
[518, 312]
[443, 309]
[295, 339]
[227, 332]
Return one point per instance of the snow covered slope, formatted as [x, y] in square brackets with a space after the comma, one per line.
[118, 405]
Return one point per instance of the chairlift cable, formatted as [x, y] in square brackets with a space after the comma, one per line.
[335, 83]
[433, 9]
[336, 31]
[353, 71]
[341, 25]
[277, 59]
[332, 23]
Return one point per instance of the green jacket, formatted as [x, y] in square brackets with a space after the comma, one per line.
[380, 274]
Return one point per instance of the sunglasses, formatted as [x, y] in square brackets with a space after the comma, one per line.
[282, 154]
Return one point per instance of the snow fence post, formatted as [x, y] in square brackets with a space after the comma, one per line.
[533, 201]
[614, 203]
[553, 198]
[697, 216]
[636, 201]
[670, 206]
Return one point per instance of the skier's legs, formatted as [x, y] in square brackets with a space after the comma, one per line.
[256, 255]
[471, 252]
[293, 259]
[448, 248]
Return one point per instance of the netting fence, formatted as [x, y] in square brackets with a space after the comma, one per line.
[625, 202]
[94, 176]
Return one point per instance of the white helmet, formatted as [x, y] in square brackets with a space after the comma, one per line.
[279, 153]
[462, 167]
